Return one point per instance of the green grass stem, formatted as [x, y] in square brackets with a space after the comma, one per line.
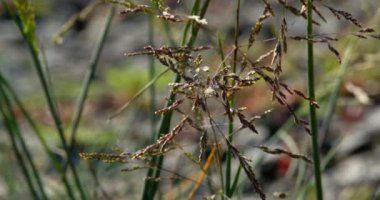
[90, 76]
[10, 125]
[313, 112]
[151, 186]
[27, 32]
[335, 94]
[56, 118]
[328, 116]
[57, 165]
[228, 187]
[24, 148]
[151, 75]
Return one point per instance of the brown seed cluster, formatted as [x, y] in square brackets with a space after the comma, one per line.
[203, 84]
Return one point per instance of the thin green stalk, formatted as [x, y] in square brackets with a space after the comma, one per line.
[138, 94]
[90, 76]
[335, 94]
[229, 154]
[221, 52]
[151, 186]
[24, 147]
[57, 121]
[194, 11]
[29, 37]
[236, 181]
[236, 35]
[222, 57]
[38, 132]
[326, 160]
[313, 113]
[194, 33]
[10, 127]
[228, 188]
[151, 74]
[195, 27]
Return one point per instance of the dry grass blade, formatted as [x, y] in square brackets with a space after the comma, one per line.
[137, 95]
[282, 151]
[203, 172]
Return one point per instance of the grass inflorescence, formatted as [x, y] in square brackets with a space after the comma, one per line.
[198, 88]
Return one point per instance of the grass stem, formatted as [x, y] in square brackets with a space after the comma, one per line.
[57, 165]
[32, 44]
[228, 188]
[10, 126]
[90, 76]
[151, 74]
[313, 112]
[151, 186]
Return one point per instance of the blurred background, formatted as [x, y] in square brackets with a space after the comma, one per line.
[351, 139]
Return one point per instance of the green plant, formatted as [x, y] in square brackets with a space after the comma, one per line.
[313, 114]
[198, 87]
